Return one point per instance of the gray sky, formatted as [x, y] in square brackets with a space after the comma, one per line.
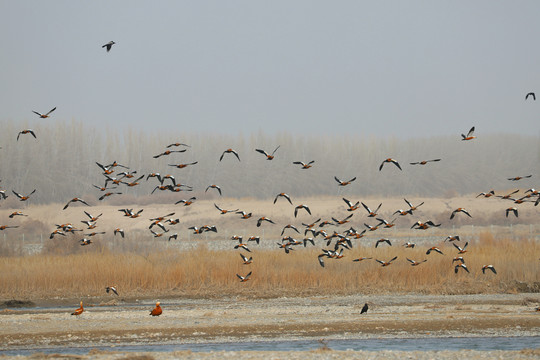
[383, 68]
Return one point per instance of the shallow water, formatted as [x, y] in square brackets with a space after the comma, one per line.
[397, 344]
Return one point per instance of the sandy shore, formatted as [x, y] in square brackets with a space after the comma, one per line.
[114, 322]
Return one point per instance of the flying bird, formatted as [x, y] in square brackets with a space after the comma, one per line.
[168, 152]
[112, 289]
[517, 178]
[23, 197]
[75, 200]
[462, 210]
[469, 135]
[344, 183]
[463, 266]
[283, 195]
[371, 213]
[301, 207]
[214, 187]
[109, 45]
[44, 116]
[268, 156]
[424, 162]
[389, 160]
[244, 278]
[415, 263]
[386, 263]
[488, 267]
[530, 94]
[27, 131]
[512, 209]
[229, 151]
[304, 165]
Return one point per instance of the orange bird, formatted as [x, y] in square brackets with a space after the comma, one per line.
[268, 156]
[469, 135]
[44, 116]
[157, 310]
[79, 311]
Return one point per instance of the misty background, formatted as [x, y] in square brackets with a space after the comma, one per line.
[347, 84]
[385, 68]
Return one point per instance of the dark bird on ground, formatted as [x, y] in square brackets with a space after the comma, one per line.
[364, 309]
[229, 151]
[44, 116]
[109, 45]
[27, 131]
[268, 156]
[469, 135]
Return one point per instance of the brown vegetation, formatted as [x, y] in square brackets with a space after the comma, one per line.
[211, 273]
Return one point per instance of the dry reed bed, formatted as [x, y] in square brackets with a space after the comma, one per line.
[205, 272]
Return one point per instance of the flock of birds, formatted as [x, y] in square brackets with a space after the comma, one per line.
[116, 175]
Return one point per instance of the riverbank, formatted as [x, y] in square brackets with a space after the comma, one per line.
[110, 322]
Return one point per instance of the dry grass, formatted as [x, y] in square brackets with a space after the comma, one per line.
[209, 273]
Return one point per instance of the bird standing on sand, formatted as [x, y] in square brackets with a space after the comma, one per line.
[364, 309]
[157, 310]
[79, 311]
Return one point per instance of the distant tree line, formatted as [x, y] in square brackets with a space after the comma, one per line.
[61, 162]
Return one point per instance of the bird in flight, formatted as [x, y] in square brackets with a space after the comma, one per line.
[469, 135]
[109, 45]
[304, 165]
[26, 131]
[268, 156]
[424, 162]
[44, 116]
[389, 160]
[531, 94]
[344, 183]
[229, 151]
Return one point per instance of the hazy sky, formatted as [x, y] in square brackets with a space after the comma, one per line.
[399, 68]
